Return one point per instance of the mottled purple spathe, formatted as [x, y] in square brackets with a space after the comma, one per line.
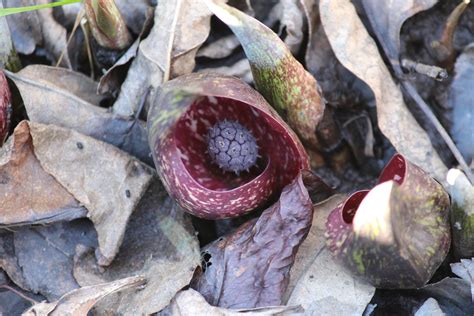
[5, 107]
[417, 223]
[180, 117]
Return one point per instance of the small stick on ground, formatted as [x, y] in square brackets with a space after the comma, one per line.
[444, 48]
[29, 299]
[410, 89]
[434, 72]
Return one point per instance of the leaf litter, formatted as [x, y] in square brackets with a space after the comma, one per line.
[87, 227]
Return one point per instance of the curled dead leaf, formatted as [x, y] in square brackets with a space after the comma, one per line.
[159, 244]
[179, 30]
[28, 193]
[317, 281]
[78, 302]
[109, 183]
[65, 98]
[250, 267]
[190, 302]
[357, 51]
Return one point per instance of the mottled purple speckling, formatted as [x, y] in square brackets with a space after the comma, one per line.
[232, 146]
[184, 111]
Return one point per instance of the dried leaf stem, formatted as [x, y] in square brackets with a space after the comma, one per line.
[431, 71]
[23, 296]
[410, 89]
[444, 47]
[79, 16]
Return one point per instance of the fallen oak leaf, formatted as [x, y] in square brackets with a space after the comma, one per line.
[29, 194]
[240, 69]
[380, 24]
[357, 51]
[14, 301]
[45, 255]
[461, 99]
[290, 14]
[317, 281]
[180, 28]
[78, 302]
[465, 270]
[430, 308]
[110, 183]
[159, 243]
[250, 267]
[25, 33]
[190, 302]
[65, 98]
[220, 48]
[37, 28]
[462, 214]
[8, 55]
[387, 18]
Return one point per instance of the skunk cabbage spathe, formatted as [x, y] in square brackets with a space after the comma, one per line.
[397, 234]
[180, 119]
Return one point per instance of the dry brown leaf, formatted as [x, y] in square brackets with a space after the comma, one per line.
[159, 244]
[465, 270]
[240, 69]
[49, 101]
[54, 35]
[134, 13]
[461, 100]
[341, 88]
[387, 18]
[291, 19]
[40, 259]
[107, 181]
[8, 57]
[357, 51]
[250, 267]
[45, 255]
[317, 282]
[109, 82]
[59, 79]
[462, 214]
[180, 28]
[37, 28]
[453, 295]
[8, 261]
[190, 302]
[24, 27]
[220, 48]
[12, 300]
[29, 194]
[78, 302]
[430, 308]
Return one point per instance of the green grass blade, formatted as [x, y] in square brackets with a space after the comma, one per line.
[8, 11]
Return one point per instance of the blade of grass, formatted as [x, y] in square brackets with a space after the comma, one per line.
[8, 11]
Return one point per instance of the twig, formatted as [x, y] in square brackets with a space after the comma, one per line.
[79, 16]
[434, 72]
[85, 29]
[29, 299]
[410, 89]
[444, 47]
